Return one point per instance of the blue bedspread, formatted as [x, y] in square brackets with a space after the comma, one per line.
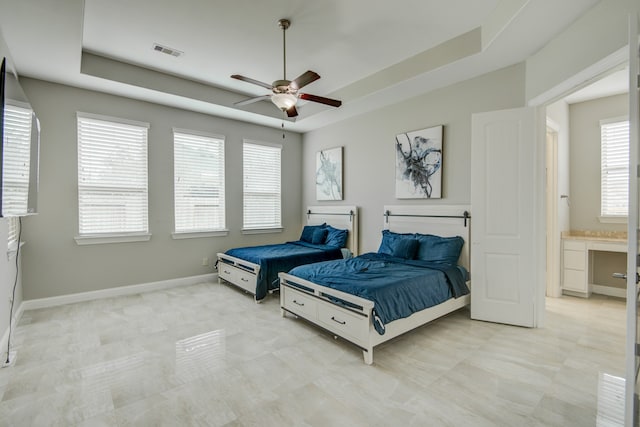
[397, 286]
[273, 259]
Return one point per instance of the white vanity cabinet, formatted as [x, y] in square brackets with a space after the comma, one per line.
[574, 267]
[578, 260]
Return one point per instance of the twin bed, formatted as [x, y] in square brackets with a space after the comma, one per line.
[420, 273]
[331, 233]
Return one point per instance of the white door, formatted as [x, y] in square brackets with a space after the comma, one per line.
[503, 199]
[633, 339]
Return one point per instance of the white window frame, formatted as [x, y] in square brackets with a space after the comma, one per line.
[614, 169]
[205, 172]
[140, 186]
[254, 172]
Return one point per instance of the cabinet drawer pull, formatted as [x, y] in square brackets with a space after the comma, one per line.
[301, 304]
[338, 321]
[226, 272]
[244, 280]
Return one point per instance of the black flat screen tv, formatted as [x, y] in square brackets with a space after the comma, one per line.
[20, 149]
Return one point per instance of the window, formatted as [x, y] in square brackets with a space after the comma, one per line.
[15, 173]
[614, 136]
[112, 177]
[198, 168]
[14, 232]
[261, 183]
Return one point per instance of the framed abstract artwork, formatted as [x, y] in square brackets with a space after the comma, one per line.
[419, 164]
[329, 174]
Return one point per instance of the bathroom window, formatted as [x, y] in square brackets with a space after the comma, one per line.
[614, 138]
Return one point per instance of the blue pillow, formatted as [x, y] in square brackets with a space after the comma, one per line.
[336, 237]
[319, 235]
[405, 248]
[307, 232]
[439, 249]
[390, 240]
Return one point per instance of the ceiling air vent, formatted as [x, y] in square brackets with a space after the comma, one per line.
[169, 51]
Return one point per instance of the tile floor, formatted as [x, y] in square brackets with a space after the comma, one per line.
[207, 355]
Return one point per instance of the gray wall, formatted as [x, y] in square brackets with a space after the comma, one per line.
[584, 118]
[369, 150]
[55, 265]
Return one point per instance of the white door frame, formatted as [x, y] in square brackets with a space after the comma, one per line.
[553, 288]
[579, 80]
[631, 350]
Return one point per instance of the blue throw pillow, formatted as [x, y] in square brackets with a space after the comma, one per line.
[336, 237]
[405, 248]
[390, 240]
[319, 235]
[439, 249]
[307, 232]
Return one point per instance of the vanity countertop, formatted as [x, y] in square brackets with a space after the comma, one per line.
[598, 236]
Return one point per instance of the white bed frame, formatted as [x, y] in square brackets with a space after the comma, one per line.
[244, 273]
[355, 325]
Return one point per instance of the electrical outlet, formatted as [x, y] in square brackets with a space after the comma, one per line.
[205, 261]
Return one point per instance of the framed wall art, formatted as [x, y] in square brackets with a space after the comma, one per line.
[419, 164]
[329, 174]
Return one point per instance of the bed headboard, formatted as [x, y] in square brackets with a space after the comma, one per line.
[440, 220]
[345, 217]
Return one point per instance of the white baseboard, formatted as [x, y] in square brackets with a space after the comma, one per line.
[609, 290]
[116, 292]
[5, 337]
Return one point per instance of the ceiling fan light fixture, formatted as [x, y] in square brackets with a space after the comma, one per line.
[285, 92]
[284, 101]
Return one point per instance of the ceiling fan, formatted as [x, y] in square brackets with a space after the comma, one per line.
[285, 93]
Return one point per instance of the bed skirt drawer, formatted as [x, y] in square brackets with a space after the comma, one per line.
[299, 303]
[227, 272]
[245, 280]
[343, 322]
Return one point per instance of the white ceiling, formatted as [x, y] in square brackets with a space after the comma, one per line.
[370, 53]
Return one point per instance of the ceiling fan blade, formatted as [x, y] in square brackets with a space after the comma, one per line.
[249, 80]
[252, 100]
[304, 79]
[320, 99]
[292, 112]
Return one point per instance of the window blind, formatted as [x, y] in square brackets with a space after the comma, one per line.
[199, 198]
[112, 177]
[16, 159]
[614, 168]
[262, 187]
[14, 230]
